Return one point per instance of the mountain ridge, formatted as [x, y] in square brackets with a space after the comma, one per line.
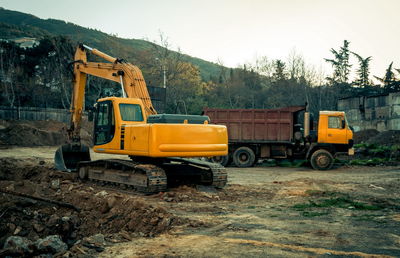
[18, 24]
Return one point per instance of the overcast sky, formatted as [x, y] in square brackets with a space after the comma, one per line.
[237, 31]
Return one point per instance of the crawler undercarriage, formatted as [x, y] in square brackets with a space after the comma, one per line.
[155, 176]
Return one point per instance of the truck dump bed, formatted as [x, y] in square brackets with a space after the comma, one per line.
[256, 125]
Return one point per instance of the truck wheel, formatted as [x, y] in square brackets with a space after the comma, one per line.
[321, 160]
[244, 157]
[223, 160]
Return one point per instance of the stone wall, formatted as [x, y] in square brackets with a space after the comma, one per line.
[380, 112]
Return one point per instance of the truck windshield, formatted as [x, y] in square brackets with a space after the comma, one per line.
[131, 112]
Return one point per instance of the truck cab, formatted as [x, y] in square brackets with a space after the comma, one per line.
[333, 128]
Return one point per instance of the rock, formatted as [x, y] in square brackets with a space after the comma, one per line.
[102, 193]
[11, 227]
[207, 195]
[17, 230]
[38, 227]
[125, 235]
[53, 220]
[10, 187]
[18, 244]
[97, 240]
[55, 184]
[51, 244]
[104, 207]
[111, 202]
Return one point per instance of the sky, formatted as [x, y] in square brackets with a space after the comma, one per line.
[235, 32]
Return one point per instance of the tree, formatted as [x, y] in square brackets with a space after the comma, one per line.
[11, 72]
[340, 64]
[390, 82]
[363, 71]
[280, 72]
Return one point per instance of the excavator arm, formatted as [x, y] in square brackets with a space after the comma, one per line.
[129, 76]
[132, 86]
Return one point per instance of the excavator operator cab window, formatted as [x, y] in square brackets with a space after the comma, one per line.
[104, 124]
[131, 112]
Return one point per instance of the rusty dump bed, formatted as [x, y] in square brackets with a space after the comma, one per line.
[255, 125]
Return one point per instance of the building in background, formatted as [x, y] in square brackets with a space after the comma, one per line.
[380, 112]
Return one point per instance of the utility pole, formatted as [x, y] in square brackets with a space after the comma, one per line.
[164, 72]
[165, 77]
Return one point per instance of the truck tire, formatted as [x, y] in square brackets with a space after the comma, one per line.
[222, 160]
[321, 160]
[244, 157]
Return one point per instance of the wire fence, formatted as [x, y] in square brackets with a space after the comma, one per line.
[34, 113]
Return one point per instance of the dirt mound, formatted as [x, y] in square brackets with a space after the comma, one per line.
[60, 205]
[365, 135]
[26, 135]
[388, 138]
[38, 133]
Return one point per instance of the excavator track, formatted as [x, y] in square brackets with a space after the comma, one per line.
[195, 171]
[152, 176]
[145, 178]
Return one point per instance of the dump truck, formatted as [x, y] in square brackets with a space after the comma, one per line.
[161, 146]
[283, 133]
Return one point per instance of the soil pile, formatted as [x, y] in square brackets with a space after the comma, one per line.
[364, 135]
[388, 138]
[55, 204]
[38, 133]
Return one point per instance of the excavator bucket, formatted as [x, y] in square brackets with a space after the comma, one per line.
[68, 156]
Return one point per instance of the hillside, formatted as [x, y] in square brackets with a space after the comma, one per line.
[15, 24]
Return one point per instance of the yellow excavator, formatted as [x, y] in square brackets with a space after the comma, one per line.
[161, 146]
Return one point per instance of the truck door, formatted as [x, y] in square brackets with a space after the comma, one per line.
[336, 131]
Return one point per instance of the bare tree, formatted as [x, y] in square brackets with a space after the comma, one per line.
[9, 71]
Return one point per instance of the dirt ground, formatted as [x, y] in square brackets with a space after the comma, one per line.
[263, 211]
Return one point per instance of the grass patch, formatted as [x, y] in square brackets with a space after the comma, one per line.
[338, 202]
[369, 162]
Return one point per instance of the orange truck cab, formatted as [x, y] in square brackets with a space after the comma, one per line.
[333, 128]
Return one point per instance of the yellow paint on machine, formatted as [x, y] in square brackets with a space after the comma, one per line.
[163, 140]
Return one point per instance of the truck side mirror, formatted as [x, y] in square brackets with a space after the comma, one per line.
[343, 124]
